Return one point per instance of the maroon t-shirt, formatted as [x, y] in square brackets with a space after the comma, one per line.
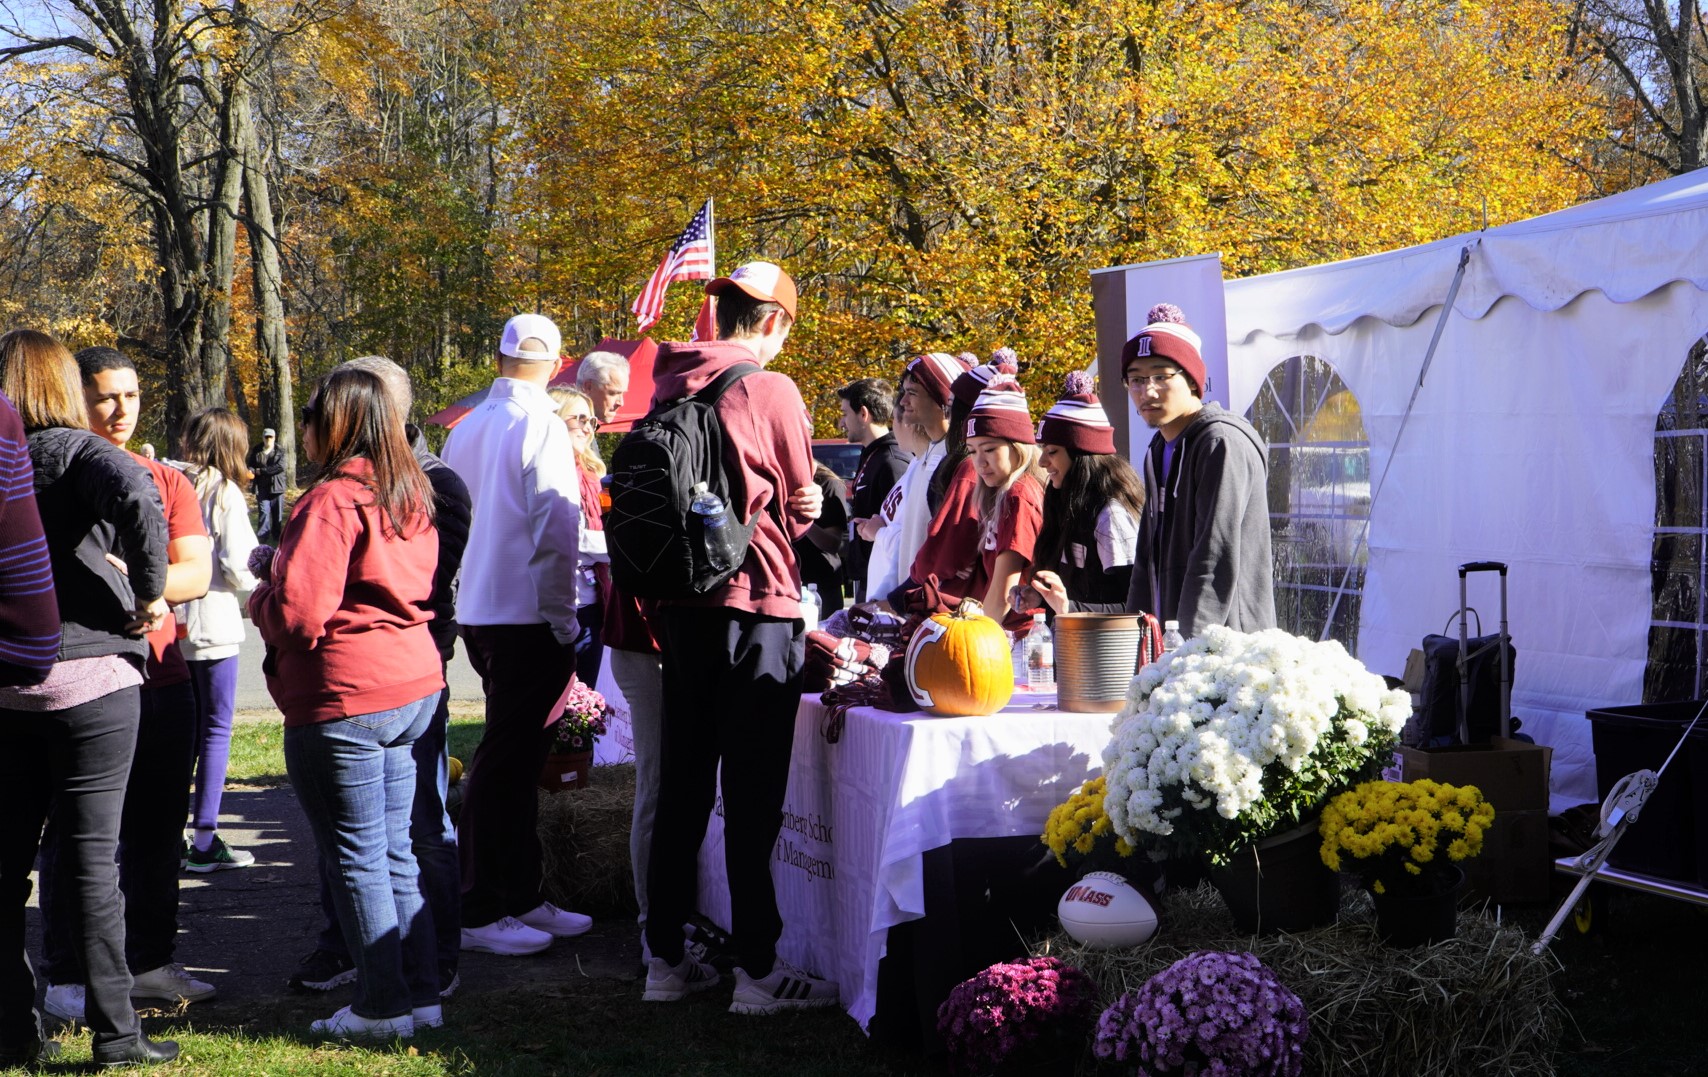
[166, 664]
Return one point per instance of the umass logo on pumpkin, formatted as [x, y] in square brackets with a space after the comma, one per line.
[959, 664]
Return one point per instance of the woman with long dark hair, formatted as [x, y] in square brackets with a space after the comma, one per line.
[70, 738]
[214, 447]
[343, 608]
[1091, 509]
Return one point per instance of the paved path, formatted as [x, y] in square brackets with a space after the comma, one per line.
[252, 686]
[245, 930]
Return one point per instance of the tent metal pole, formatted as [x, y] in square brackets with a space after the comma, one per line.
[1428, 357]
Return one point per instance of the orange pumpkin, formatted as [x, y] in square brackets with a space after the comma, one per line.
[959, 664]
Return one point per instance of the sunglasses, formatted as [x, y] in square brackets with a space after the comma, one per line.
[309, 413]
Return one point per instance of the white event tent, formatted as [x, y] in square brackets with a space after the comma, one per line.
[1531, 441]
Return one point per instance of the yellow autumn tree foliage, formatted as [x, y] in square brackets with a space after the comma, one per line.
[943, 174]
[937, 174]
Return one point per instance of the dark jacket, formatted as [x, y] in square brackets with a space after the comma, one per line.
[819, 551]
[269, 469]
[453, 509]
[881, 465]
[96, 500]
[1204, 556]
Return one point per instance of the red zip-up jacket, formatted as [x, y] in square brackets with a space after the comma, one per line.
[345, 610]
[768, 439]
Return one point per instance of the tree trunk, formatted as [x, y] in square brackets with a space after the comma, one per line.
[235, 128]
[275, 395]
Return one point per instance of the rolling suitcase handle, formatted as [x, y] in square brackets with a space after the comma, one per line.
[1465, 657]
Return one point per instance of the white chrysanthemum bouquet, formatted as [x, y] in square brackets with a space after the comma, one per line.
[1233, 736]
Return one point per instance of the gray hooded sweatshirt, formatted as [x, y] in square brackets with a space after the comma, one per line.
[1203, 556]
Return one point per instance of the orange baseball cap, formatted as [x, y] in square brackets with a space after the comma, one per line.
[764, 281]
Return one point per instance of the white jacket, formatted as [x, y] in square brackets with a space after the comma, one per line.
[213, 624]
[525, 539]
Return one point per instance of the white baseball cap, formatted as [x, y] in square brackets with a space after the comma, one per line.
[524, 327]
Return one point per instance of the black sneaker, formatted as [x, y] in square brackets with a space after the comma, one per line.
[322, 971]
[218, 857]
[709, 944]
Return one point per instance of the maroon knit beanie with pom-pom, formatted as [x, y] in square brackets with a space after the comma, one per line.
[1078, 421]
[1001, 411]
[1167, 336]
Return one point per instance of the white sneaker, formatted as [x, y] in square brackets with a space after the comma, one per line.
[170, 983]
[560, 923]
[506, 935]
[666, 984]
[65, 1001]
[348, 1026]
[429, 1016]
[786, 988]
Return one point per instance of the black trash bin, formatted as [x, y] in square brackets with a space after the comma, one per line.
[1665, 841]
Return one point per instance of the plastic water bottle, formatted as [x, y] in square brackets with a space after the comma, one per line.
[1172, 640]
[709, 507]
[1017, 656]
[812, 606]
[1040, 656]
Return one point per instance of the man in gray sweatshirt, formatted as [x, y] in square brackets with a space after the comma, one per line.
[1203, 557]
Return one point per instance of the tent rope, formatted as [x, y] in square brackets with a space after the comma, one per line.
[1362, 541]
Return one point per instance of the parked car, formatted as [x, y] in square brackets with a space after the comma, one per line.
[842, 457]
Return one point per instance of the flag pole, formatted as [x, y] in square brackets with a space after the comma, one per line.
[712, 236]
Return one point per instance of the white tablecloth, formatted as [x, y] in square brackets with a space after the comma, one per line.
[860, 813]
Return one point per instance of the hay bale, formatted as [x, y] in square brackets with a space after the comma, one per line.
[1479, 1004]
[584, 844]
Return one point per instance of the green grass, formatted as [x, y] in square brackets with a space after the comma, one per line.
[258, 744]
[583, 1027]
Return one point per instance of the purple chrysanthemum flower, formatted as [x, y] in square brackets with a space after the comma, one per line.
[1255, 1026]
[1025, 1000]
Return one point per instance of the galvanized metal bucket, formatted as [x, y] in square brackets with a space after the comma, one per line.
[1096, 656]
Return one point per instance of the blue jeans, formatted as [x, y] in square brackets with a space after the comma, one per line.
[355, 779]
[435, 847]
[272, 525]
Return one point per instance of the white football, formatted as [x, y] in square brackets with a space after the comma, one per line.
[1104, 909]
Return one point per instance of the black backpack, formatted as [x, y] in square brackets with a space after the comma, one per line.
[658, 548]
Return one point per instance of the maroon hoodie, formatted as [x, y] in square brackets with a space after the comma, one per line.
[768, 441]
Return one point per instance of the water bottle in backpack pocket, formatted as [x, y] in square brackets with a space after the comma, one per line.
[672, 532]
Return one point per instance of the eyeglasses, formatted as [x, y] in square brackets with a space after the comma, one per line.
[1155, 381]
[585, 422]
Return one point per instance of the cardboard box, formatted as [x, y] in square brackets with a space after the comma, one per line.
[1515, 865]
[1415, 664]
[1512, 774]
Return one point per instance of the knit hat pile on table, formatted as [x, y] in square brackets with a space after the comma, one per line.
[1000, 412]
[1078, 421]
[1167, 336]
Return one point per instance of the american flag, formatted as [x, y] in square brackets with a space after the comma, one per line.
[689, 258]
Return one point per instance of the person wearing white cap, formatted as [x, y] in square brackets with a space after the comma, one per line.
[516, 606]
[267, 464]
